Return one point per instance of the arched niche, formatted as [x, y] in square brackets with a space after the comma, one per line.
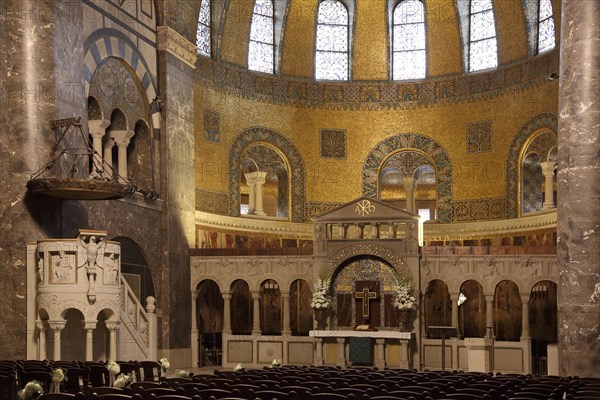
[438, 308]
[427, 146]
[471, 313]
[507, 312]
[242, 311]
[539, 148]
[357, 274]
[539, 123]
[291, 154]
[543, 322]
[301, 313]
[209, 321]
[270, 310]
[73, 336]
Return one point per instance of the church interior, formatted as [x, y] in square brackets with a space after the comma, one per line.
[408, 184]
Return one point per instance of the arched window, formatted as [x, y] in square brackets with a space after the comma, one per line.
[545, 27]
[408, 41]
[261, 47]
[331, 58]
[483, 47]
[270, 308]
[203, 33]
[537, 172]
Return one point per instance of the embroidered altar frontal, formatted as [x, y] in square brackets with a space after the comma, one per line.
[361, 351]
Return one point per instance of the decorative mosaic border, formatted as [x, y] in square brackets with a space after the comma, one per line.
[428, 146]
[479, 209]
[261, 134]
[375, 95]
[211, 201]
[542, 120]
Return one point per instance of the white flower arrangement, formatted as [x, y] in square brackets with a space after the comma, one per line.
[183, 373]
[58, 375]
[123, 381]
[403, 298]
[31, 391]
[238, 367]
[320, 297]
[164, 364]
[113, 367]
[275, 363]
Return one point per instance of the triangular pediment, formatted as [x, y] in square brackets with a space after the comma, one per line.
[365, 209]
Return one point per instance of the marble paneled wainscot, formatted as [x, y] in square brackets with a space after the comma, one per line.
[392, 348]
[77, 283]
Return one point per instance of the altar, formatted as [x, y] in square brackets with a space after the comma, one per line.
[392, 348]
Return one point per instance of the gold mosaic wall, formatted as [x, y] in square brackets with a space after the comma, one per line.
[444, 53]
[475, 176]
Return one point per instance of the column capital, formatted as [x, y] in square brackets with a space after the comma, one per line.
[122, 137]
[256, 177]
[548, 167]
[226, 296]
[97, 127]
[57, 325]
[489, 297]
[340, 340]
[40, 325]
[112, 325]
[380, 341]
[169, 40]
[89, 325]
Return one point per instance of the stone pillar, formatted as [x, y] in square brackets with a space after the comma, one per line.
[489, 317]
[404, 353]
[578, 224]
[89, 327]
[97, 130]
[195, 334]
[41, 340]
[525, 318]
[152, 328]
[112, 343]
[319, 351]
[251, 193]
[409, 187]
[285, 298]
[256, 313]
[122, 139]
[108, 160]
[548, 171]
[226, 313]
[454, 302]
[380, 361]
[341, 352]
[57, 327]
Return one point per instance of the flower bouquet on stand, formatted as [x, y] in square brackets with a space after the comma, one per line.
[113, 369]
[404, 302]
[320, 301]
[164, 365]
[275, 363]
[58, 376]
[123, 381]
[31, 391]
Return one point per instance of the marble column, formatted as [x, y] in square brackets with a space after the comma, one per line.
[152, 327]
[251, 194]
[548, 172]
[57, 327]
[89, 327]
[97, 130]
[489, 317]
[195, 332]
[454, 302]
[226, 313]
[578, 219]
[380, 345]
[409, 187]
[122, 139]
[285, 299]
[525, 318]
[41, 340]
[108, 159]
[319, 351]
[256, 313]
[341, 352]
[112, 342]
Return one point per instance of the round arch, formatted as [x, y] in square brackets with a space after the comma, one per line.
[428, 146]
[543, 120]
[291, 153]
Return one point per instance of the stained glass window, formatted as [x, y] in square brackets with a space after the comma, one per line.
[408, 39]
[203, 33]
[483, 48]
[331, 58]
[546, 37]
[261, 47]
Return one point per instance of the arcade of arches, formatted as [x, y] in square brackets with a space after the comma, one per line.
[230, 184]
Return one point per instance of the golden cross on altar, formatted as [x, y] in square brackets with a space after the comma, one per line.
[365, 296]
